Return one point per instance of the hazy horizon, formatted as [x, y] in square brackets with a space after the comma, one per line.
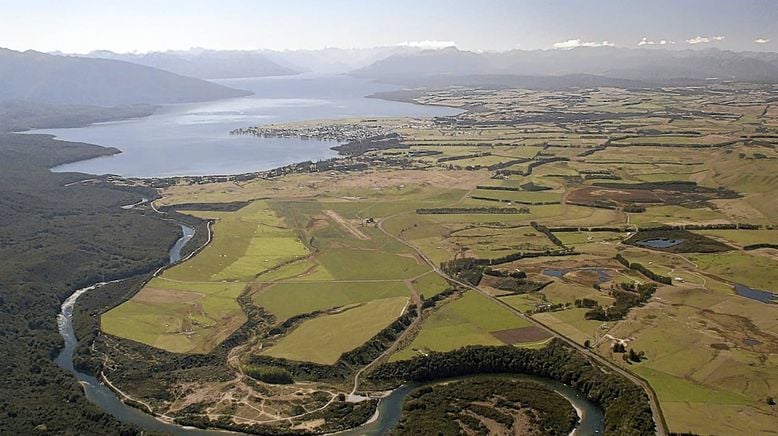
[82, 26]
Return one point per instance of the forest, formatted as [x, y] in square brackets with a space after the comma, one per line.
[626, 406]
[57, 236]
[513, 405]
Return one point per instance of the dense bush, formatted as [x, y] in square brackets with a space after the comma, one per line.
[269, 374]
[626, 406]
[627, 296]
[543, 229]
[435, 409]
[57, 236]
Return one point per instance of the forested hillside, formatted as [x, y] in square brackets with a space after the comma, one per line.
[56, 237]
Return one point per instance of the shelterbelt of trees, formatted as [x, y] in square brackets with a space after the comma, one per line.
[627, 410]
[57, 236]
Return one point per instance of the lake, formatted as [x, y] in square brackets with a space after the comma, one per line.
[193, 139]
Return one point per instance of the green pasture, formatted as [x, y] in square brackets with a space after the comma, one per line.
[323, 339]
[465, 321]
[288, 299]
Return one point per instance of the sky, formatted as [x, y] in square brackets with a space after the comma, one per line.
[80, 26]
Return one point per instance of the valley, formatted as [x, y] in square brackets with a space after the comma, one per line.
[399, 251]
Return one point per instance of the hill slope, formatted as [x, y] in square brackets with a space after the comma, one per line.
[205, 64]
[44, 78]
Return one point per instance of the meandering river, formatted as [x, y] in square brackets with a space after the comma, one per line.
[592, 420]
[97, 392]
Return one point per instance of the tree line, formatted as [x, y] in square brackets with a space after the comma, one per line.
[472, 210]
[643, 270]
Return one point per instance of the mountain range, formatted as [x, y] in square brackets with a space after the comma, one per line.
[39, 89]
[650, 66]
[205, 64]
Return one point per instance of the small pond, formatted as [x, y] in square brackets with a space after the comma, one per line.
[756, 294]
[659, 243]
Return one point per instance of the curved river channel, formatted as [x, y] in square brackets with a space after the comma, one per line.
[386, 418]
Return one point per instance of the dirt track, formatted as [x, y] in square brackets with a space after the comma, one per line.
[347, 226]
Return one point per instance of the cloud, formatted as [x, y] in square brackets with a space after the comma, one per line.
[704, 39]
[646, 41]
[761, 40]
[427, 44]
[573, 43]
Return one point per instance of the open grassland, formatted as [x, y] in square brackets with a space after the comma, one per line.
[751, 270]
[469, 320]
[287, 299]
[705, 349]
[325, 338]
[429, 284]
[744, 237]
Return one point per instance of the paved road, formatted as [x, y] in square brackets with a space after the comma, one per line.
[661, 425]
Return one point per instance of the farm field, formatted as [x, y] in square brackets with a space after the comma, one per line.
[572, 324]
[287, 299]
[178, 316]
[324, 338]
[193, 306]
[469, 320]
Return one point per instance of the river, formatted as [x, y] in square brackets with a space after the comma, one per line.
[387, 415]
[98, 393]
[193, 139]
[592, 420]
